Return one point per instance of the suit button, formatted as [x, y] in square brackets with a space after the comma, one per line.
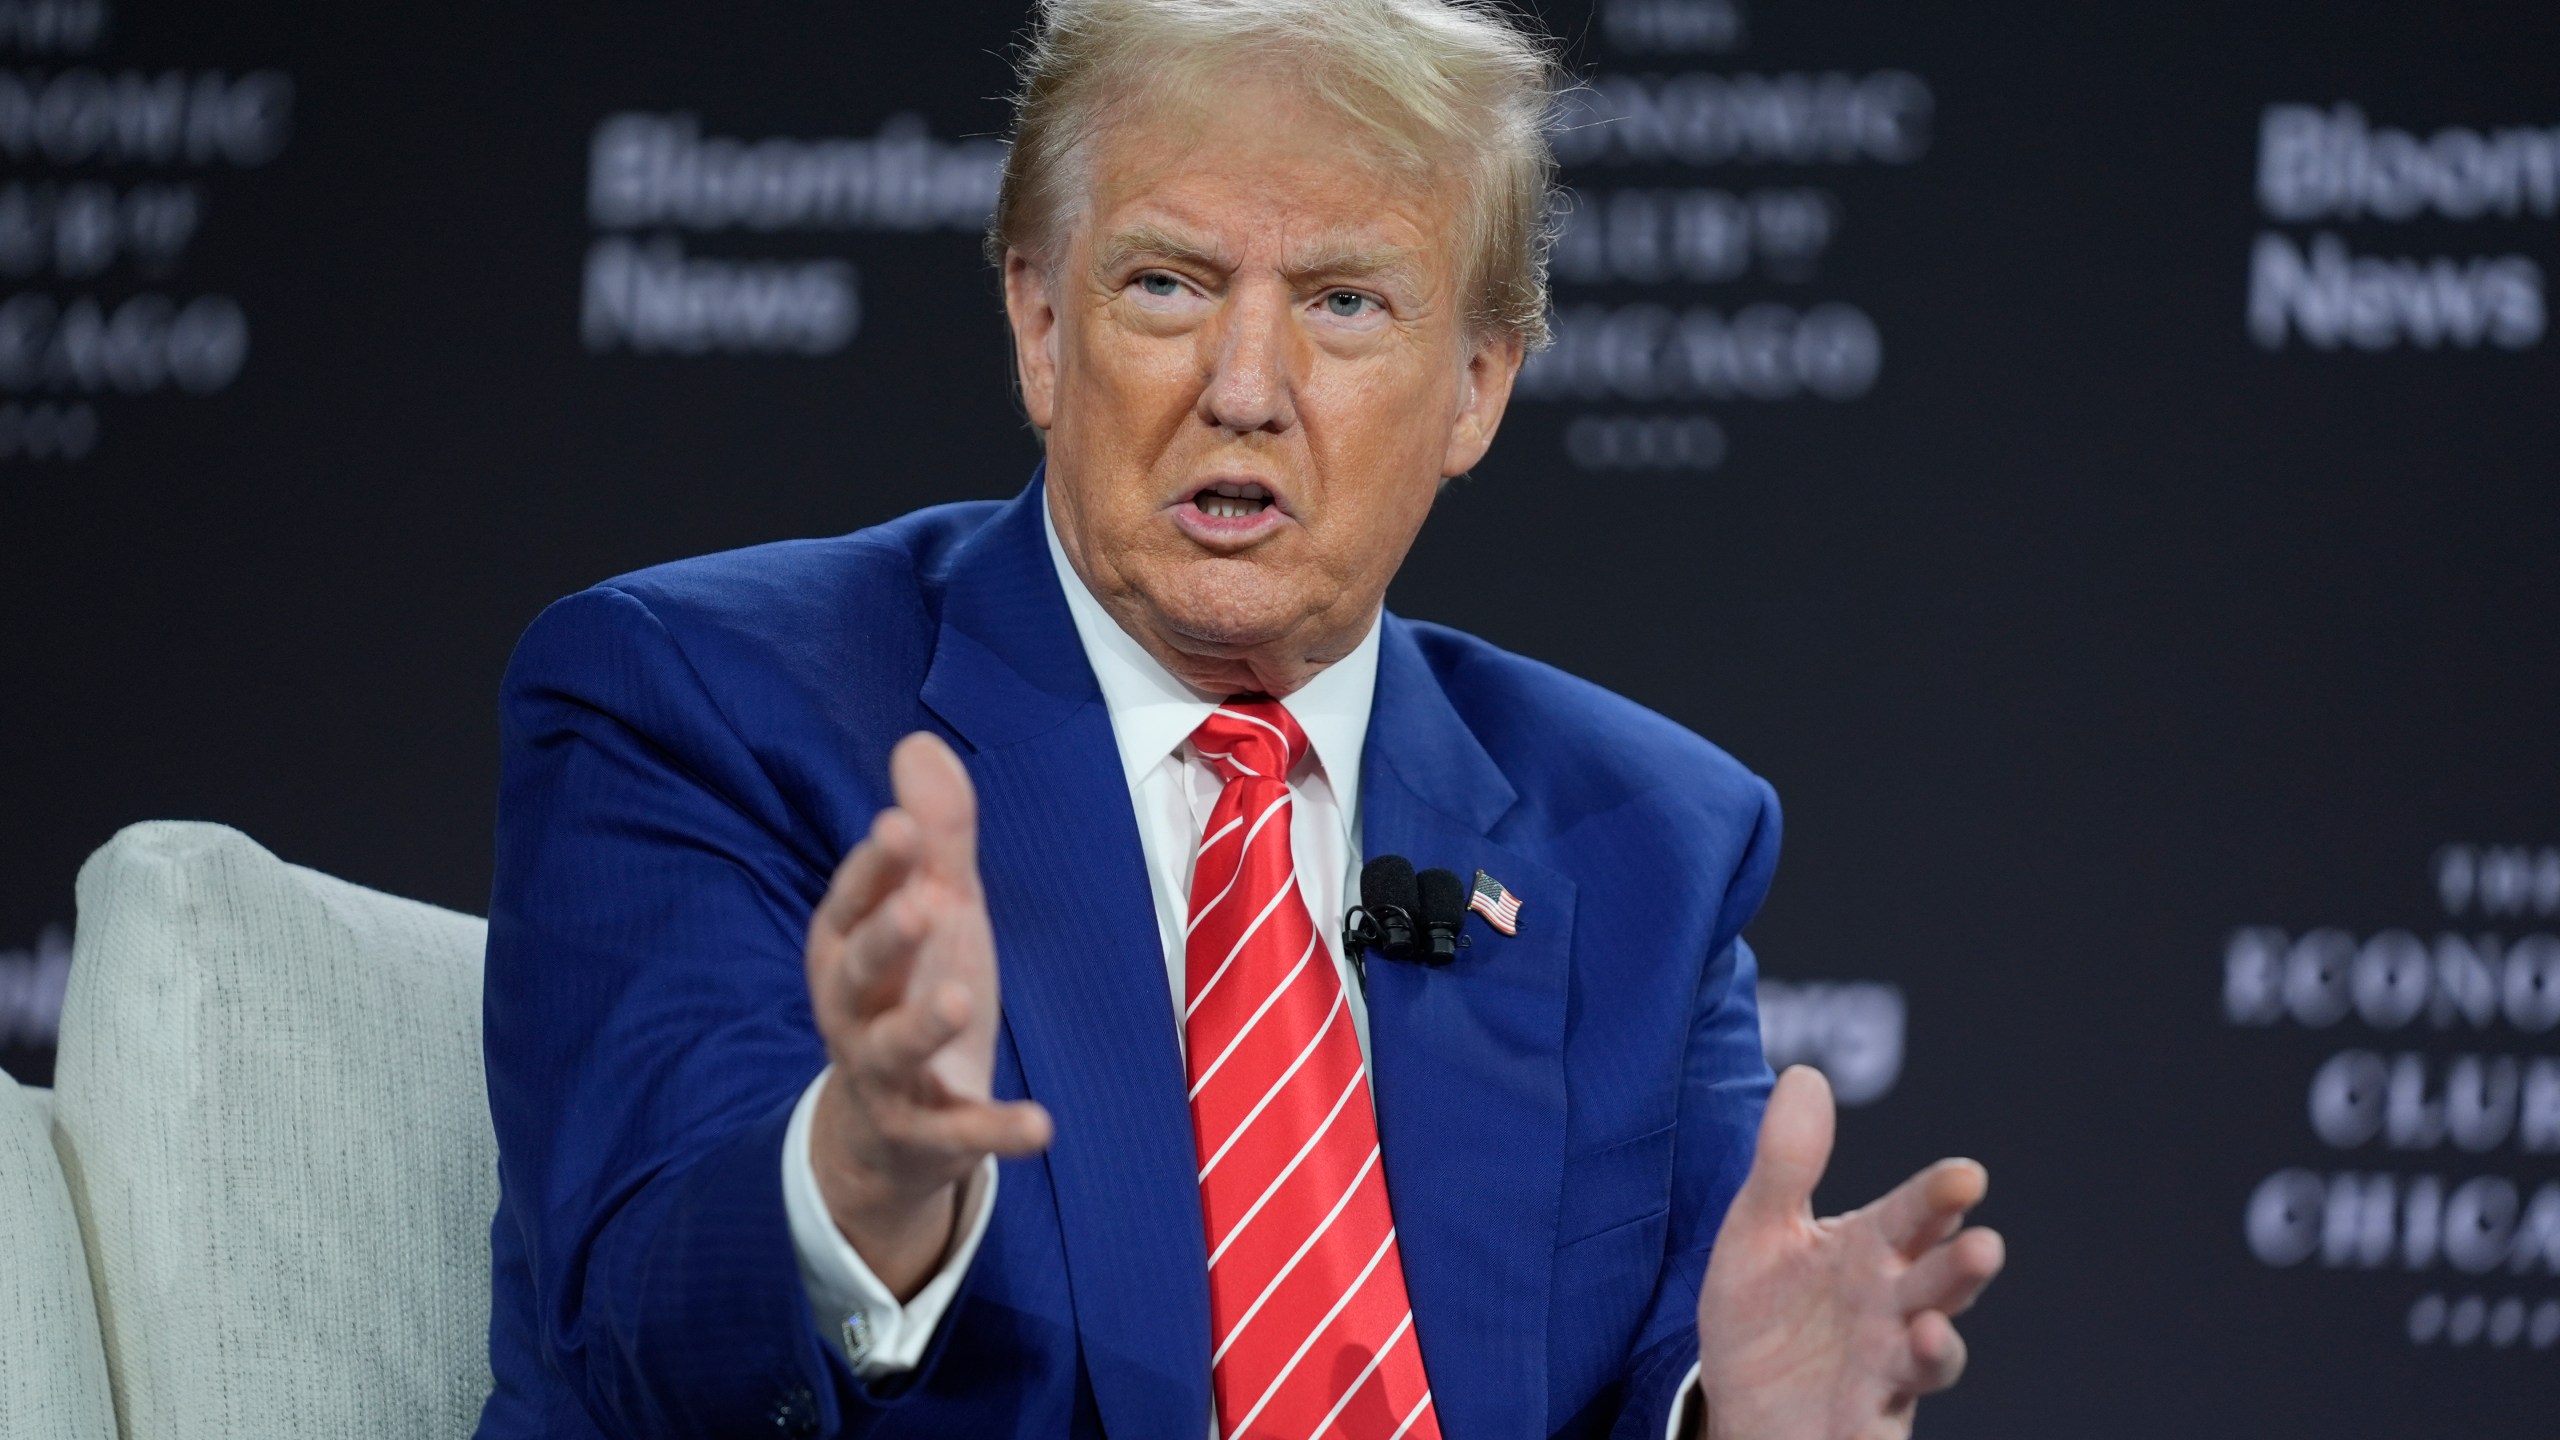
[796, 1414]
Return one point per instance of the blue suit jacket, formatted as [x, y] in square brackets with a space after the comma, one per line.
[691, 749]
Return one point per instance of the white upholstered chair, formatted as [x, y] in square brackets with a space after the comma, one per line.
[53, 1370]
[259, 1204]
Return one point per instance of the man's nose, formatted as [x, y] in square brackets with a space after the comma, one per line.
[1252, 363]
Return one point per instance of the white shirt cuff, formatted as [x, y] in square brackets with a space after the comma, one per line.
[876, 1335]
[1686, 1396]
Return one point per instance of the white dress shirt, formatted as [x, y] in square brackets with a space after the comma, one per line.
[1171, 790]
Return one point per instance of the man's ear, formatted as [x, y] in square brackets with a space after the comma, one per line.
[1033, 313]
[1493, 362]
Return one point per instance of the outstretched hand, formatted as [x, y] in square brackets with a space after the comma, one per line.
[902, 980]
[1833, 1329]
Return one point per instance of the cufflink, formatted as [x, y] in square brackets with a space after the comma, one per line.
[857, 1337]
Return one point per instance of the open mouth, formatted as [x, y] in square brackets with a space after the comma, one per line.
[1232, 500]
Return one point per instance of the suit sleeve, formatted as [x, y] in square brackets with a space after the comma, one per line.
[1725, 1086]
[648, 1031]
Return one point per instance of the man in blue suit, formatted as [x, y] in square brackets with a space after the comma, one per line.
[867, 909]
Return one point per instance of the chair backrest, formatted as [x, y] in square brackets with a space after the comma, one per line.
[53, 1376]
[275, 1131]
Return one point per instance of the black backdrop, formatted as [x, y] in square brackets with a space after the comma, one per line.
[2097, 461]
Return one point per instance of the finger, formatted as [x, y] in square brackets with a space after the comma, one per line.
[1007, 1128]
[1937, 1354]
[1794, 1148]
[890, 1049]
[1950, 1277]
[870, 871]
[933, 786]
[878, 956]
[1927, 1208]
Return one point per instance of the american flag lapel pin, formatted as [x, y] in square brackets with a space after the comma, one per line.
[1499, 907]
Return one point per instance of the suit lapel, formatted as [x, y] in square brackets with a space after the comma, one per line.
[1469, 1064]
[1082, 964]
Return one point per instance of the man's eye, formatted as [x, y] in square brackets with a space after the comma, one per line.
[1346, 303]
[1158, 284]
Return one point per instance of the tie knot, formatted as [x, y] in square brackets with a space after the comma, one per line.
[1250, 737]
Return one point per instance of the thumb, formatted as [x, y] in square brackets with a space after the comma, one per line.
[1794, 1148]
[933, 788]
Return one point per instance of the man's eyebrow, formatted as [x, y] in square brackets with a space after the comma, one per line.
[1347, 258]
[1352, 260]
[1154, 241]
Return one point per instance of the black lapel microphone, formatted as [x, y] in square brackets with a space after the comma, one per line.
[1384, 920]
[1444, 912]
[1404, 916]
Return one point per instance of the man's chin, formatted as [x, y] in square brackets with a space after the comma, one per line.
[1229, 617]
[1224, 634]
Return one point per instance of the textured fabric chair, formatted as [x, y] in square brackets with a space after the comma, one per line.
[53, 1370]
[275, 1141]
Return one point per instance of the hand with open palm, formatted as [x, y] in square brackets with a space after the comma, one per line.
[902, 979]
[1832, 1329]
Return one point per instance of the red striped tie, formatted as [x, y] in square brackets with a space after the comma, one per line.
[1311, 1331]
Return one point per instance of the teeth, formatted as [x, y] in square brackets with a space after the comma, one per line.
[1229, 507]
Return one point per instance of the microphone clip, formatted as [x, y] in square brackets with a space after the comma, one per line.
[1441, 943]
[1387, 929]
[1414, 918]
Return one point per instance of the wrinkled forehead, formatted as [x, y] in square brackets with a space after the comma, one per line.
[1278, 88]
[1257, 165]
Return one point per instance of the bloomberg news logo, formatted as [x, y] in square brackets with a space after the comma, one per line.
[2439, 1105]
[2333, 168]
[653, 180]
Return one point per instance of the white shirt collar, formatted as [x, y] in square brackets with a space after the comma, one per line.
[1152, 712]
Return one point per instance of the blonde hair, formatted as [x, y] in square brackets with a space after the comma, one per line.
[1429, 80]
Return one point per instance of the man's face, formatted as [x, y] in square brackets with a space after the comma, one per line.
[1254, 371]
